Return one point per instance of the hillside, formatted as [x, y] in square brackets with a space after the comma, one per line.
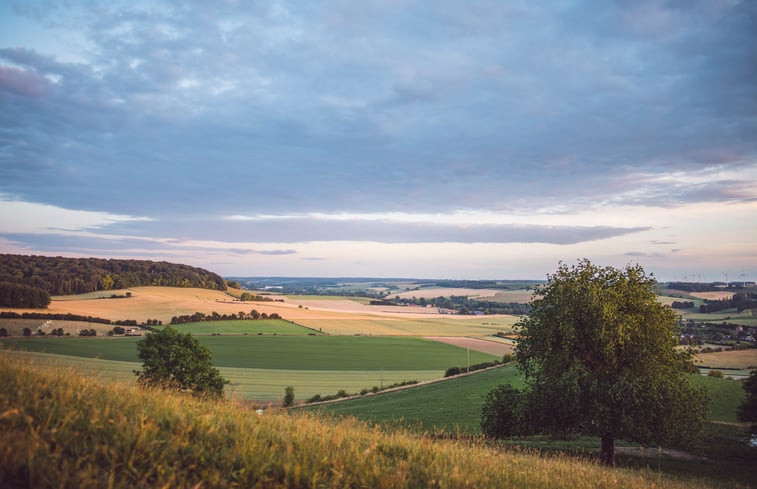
[60, 430]
[65, 276]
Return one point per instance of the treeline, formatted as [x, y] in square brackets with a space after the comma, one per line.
[66, 276]
[341, 394]
[214, 316]
[682, 304]
[463, 305]
[740, 301]
[21, 295]
[694, 286]
[65, 317]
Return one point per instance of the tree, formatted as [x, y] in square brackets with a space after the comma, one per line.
[178, 361]
[288, 396]
[26, 332]
[600, 357]
[748, 408]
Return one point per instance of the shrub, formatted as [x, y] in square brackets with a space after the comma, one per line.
[288, 396]
[715, 373]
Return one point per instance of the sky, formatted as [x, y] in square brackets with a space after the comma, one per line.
[383, 138]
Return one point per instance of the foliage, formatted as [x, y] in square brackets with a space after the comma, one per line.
[178, 361]
[20, 295]
[748, 409]
[65, 276]
[117, 436]
[288, 396]
[599, 355]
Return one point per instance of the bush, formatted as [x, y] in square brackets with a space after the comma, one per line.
[452, 371]
[503, 412]
[178, 361]
[118, 330]
[288, 396]
[715, 373]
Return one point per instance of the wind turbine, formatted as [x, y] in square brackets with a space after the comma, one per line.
[743, 279]
[726, 279]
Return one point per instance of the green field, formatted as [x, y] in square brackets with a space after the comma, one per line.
[453, 405]
[456, 403]
[244, 326]
[245, 383]
[281, 352]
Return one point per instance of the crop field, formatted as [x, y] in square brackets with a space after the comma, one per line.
[434, 292]
[420, 326]
[265, 385]
[242, 326]
[15, 327]
[453, 405]
[281, 352]
[741, 359]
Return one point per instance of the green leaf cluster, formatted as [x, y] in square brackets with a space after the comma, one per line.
[178, 361]
[601, 357]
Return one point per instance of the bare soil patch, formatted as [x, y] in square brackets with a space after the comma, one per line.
[484, 346]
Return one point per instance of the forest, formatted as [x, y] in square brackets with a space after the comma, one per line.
[66, 276]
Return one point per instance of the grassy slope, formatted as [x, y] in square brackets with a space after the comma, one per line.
[246, 383]
[453, 405]
[59, 430]
[281, 352]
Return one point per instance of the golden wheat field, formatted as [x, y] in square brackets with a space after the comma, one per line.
[332, 316]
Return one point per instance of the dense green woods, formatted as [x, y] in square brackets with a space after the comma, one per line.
[20, 295]
[65, 276]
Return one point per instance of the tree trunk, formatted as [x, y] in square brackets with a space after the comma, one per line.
[608, 450]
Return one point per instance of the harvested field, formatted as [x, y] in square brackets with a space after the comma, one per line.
[446, 292]
[729, 359]
[715, 295]
[15, 327]
[477, 344]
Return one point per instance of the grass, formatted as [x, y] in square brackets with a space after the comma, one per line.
[452, 406]
[281, 352]
[60, 430]
[246, 383]
[263, 326]
[378, 325]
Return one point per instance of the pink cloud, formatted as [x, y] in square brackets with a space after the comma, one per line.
[22, 82]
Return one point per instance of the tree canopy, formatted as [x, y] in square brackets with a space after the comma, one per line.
[63, 276]
[178, 361]
[601, 358]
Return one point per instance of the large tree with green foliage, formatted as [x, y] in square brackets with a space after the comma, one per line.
[178, 361]
[601, 358]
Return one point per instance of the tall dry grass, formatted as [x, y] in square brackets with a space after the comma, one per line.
[61, 430]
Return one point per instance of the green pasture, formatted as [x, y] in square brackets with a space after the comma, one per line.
[244, 326]
[245, 383]
[281, 352]
[100, 294]
[453, 405]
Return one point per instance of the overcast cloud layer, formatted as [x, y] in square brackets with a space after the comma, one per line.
[254, 130]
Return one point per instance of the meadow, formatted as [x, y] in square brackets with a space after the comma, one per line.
[62, 430]
[281, 352]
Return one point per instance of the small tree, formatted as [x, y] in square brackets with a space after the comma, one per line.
[3, 332]
[600, 357]
[178, 361]
[288, 396]
[26, 332]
